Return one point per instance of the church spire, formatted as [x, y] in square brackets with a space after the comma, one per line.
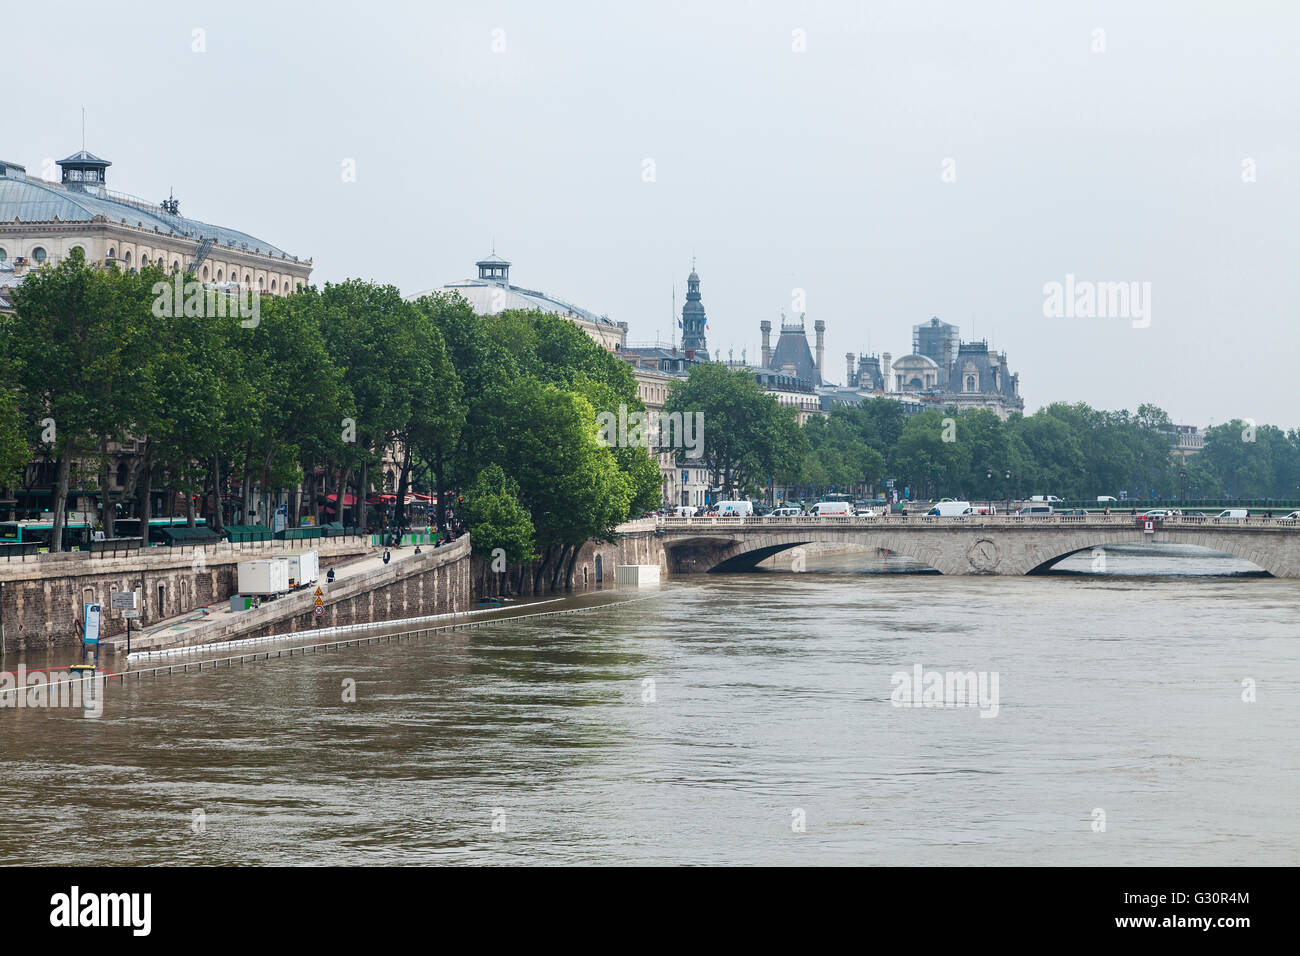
[694, 321]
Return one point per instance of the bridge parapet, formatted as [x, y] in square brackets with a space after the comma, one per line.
[968, 521]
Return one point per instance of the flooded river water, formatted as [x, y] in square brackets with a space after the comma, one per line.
[746, 718]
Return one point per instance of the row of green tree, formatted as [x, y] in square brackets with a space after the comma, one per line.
[1072, 451]
[325, 382]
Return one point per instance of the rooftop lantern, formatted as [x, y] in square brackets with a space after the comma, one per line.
[84, 167]
[493, 269]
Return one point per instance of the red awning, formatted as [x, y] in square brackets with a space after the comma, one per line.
[349, 500]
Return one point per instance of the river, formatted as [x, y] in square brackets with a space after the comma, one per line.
[739, 718]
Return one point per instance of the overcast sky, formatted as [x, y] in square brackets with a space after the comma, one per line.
[1112, 156]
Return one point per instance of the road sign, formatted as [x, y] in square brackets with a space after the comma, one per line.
[319, 610]
[125, 601]
[320, 593]
[131, 612]
[320, 602]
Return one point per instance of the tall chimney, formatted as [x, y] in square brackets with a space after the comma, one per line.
[884, 371]
[766, 328]
[820, 328]
[848, 375]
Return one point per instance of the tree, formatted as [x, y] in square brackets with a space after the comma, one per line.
[77, 348]
[13, 438]
[496, 519]
[747, 434]
[929, 462]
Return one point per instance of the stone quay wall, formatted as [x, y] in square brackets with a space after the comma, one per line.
[41, 597]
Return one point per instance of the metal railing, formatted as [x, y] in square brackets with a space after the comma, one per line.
[902, 521]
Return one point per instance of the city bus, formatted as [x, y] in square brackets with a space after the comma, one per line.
[41, 531]
[130, 527]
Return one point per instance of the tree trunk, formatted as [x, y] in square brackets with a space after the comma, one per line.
[146, 495]
[363, 487]
[63, 475]
[559, 566]
[568, 571]
[402, 484]
[107, 510]
[440, 490]
[540, 570]
[218, 519]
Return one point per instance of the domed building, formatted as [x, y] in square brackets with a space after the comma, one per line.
[492, 292]
[42, 222]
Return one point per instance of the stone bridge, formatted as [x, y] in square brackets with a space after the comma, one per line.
[983, 544]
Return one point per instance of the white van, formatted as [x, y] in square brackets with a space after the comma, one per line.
[788, 511]
[735, 509]
[831, 509]
[951, 509]
[1103, 499]
[1035, 510]
[1233, 513]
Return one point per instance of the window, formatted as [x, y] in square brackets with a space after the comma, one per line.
[162, 597]
[272, 285]
[112, 252]
[220, 275]
[38, 254]
[176, 266]
[248, 280]
[3, 255]
[970, 383]
[205, 273]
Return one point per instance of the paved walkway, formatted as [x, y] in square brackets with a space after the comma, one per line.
[214, 615]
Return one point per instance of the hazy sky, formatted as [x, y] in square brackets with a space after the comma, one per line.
[1114, 156]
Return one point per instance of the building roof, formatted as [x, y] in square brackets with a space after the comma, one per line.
[792, 349]
[31, 200]
[487, 296]
[81, 157]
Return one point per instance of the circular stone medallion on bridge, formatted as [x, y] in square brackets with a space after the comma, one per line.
[983, 555]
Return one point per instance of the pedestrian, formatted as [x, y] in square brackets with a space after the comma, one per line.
[329, 578]
[386, 556]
